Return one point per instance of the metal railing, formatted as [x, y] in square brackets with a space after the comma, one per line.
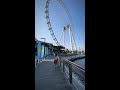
[74, 72]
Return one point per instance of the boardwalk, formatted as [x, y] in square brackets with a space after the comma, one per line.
[47, 77]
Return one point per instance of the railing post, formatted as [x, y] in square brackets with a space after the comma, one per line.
[70, 73]
[63, 66]
[60, 62]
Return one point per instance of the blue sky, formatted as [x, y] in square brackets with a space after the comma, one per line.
[59, 19]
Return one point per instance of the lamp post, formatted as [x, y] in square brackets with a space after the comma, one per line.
[44, 39]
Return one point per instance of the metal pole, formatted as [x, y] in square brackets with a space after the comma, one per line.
[64, 37]
[60, 62]
[63, 66]
[70, 73]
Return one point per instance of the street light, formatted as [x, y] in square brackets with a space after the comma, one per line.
[44, 39]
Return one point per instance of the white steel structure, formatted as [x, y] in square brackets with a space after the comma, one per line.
[72, 40]
[72, 43]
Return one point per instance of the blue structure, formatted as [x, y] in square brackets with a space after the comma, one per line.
[39, 47]
[42, 51]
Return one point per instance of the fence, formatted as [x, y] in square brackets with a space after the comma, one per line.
[74, 72]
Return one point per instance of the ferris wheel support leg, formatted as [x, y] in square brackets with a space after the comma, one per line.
[61, 35]
[74, 41]
[64, 37]
[70, 39]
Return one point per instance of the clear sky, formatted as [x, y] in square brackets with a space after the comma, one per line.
[59, 19]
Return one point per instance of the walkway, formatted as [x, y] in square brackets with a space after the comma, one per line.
[47, 77]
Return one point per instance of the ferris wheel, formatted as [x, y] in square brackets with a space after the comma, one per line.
[64, 29]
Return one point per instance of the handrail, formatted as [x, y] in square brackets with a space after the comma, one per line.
[72, 68]
[75, 65]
